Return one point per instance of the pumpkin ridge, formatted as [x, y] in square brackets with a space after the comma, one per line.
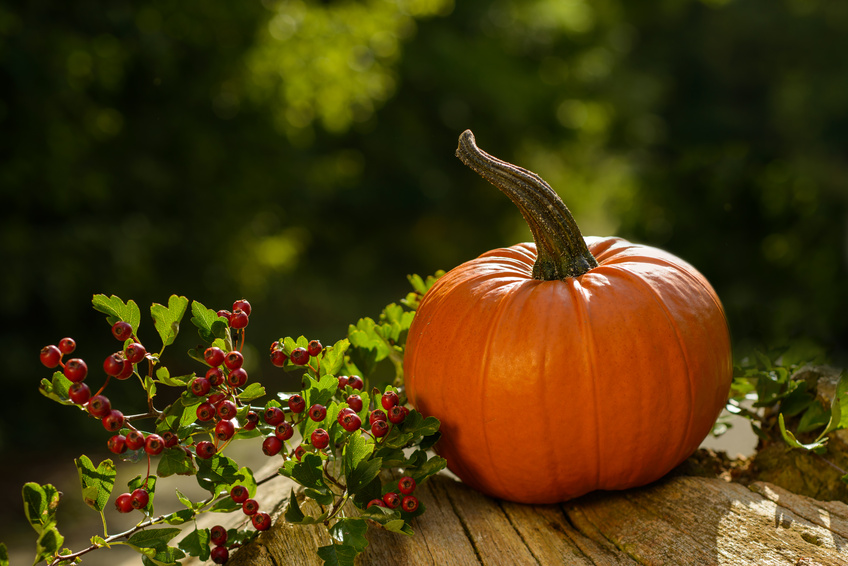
[584, 324]
[645, 285]
[500, 309]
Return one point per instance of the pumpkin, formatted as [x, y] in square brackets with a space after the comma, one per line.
[570, 364]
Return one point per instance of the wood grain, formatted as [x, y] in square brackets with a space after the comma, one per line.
[682, 520]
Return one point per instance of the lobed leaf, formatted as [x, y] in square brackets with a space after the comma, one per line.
[40, 504]
[196, 543]
[177, 461]
[337, 555]
[96, 483]
[166, 320]
[115, 309]
[209, 325]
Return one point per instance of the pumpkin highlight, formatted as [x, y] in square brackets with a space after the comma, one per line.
[603, 368]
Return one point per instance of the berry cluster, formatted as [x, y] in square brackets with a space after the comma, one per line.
[299, 356]
[405, 500]
[239, 316]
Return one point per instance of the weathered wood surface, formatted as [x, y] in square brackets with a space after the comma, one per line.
[681, 519]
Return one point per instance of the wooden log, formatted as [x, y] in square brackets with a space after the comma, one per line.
[686, 520]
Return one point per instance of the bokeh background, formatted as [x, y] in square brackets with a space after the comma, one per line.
[300, 154]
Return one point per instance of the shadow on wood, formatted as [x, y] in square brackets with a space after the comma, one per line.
[686, 520]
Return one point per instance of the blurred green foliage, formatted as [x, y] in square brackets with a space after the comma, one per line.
[299, 153]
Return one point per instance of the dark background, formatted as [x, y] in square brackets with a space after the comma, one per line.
[301, 155]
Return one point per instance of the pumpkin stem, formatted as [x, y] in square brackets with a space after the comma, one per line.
[560, 248]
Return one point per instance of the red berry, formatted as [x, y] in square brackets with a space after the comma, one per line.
[217, 398]
[200, 386]
[50, 356]
[261, 521]
[117, 444]
[355, 402]
[79, 393]
[123, 503]
[239, 493]
[239, 319]
[351, 422]
[135, 440]
[99, 406]
[406, 485]
[397, 414]
[274, 416]
[376, 415]
[296, 403]
[284, 430]
[227, 410]
[122, 330]
[278, 358]
[219, 555]
[114, 364]
[140, 498]
[154, 444]
[299, 452]
[126, 372]
[218, 535]
[234, 359]
[242, 305]
[67, 345]
[389, 400]
[225, 314]
[320, 438]
[317, 412]
[114, 421]
[391, 499]
[76, 370]
[237, 377]
[170, 439]
[224, 430]
[377, 502]
[342, 381]
[215, 376]
[314, 347]
[214, 356]
[409, 503]
[250, 507]
[252, 420]
[271, 446]
[299, 356]
[135, 352]
[205, 449]
[205, 412]
[345, 411]
[379, 428]
[355, 382]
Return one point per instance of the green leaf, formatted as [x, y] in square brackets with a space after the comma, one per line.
[790, 439]
[175, 461]
[116, 310]
[49, 543]
[40, 504]
[167, 319]
[152, 538]
[357, 448]
[163, 375]
[332, 358]
[295, 516]
[196, 543]
[363, 474]
[56, 388]
[838, 406]
[179, 517]
[337, 555]
[429, 468]
[251, 392]
[308, 472]
[814, 417]
[180, 413]
[209, 325]
[181, 497]
[217, 473]
[96, 483]
[350, 531]
[4, 555]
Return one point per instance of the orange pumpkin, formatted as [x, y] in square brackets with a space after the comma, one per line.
[569, 365]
